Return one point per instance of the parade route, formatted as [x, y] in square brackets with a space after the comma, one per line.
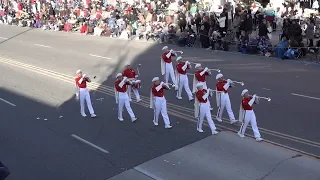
[39, 108]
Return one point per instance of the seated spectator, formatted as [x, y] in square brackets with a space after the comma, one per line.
[84, 28]
[282, 47]
[293, 51]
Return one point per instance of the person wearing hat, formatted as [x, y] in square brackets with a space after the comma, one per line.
[246, 114]
[158, 102]
[166, 65]
[122, 98]
[130, 73]
[83, 93]
[182, 78]
[223, 99]
[202, 108]
[200, 77]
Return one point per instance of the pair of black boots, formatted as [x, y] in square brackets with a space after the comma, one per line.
[4, 171]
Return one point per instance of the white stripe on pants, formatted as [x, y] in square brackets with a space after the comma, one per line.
[161, 106]
[169, 71]
[135, 91]
[225, 103]
[205, 112]
[250, 117]
[85, 96]
[184, 83]
[123, 100]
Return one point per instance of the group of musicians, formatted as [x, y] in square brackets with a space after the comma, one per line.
[127, 82]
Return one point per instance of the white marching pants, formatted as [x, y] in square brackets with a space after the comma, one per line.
[170, 71]
[250, 117]
[85, 96]
[135, 91]
[123, 100]
[205, 112]
[161, 106]
[225, 103]
[184, 83]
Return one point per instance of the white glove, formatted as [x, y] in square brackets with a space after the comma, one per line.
[137, 81]
[171, 51]
[162, 83]
[136, 76]
[209, 89]
[254, 96]
[187, 62]
[83, 76]
[125, 78]
[206, 69]
[229, 81]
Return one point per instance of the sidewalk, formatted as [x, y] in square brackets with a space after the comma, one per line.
[226, 157]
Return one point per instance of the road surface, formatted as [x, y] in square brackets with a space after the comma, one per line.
[42, 132]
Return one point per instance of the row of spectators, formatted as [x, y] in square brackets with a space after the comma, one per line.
[250, 26]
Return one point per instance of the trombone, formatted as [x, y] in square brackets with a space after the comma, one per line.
[181, 52]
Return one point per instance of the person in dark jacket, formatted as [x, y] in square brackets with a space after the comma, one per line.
[263, 30]
[4, 171]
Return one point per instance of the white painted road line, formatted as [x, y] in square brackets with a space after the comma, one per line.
[93, 55]
[42, 45]
[3, 38]
[310, 97]
[7, 102]
[146, 173]
[89, 143]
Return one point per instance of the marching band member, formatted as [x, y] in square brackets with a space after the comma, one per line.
[122, 98]
[200, 77]
[158, 102]
[166, 66]
[182, 78]
[222, 97]
[83, 92]
[202, 108]
[246, 114]
[130, 73]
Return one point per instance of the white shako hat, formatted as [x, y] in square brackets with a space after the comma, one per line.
[155, 79]
[199, 85]
[179, 58]
[78, 71]
[218, 76]
[197, 65]
[244, 92]
[118, 75]
[165, 47]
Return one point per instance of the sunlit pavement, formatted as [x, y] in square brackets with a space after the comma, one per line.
[43, 135]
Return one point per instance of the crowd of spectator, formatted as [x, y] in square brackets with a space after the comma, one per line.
[248, 26]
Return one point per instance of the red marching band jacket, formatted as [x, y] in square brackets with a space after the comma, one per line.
[131, 74]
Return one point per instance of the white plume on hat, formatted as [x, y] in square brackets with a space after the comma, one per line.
[155, 79]
[165, 47]
[78, 71]
[244, 92]
[118, 75]
[218, 76]
[199, 85]
[179, 58]
[197, 65]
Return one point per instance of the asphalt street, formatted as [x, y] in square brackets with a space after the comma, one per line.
[36, 75]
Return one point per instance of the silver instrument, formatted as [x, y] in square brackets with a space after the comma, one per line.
[218, 70]
[266, 98]
[181, 52]
[238, 82]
